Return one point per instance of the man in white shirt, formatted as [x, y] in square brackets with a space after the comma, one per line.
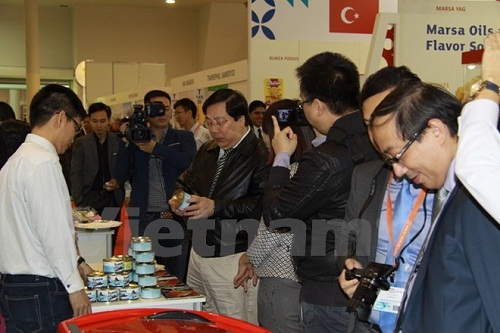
[185, 114]
[478, 155]
[41, 283]
[256, 111]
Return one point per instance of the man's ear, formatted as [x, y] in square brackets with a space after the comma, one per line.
[438, 129]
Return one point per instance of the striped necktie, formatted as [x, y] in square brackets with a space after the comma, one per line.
[220, 165]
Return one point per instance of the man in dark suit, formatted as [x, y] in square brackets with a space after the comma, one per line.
[93, 162]
[153, 168]
[455, 290]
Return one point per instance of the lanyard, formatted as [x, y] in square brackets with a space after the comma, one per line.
[409, 220]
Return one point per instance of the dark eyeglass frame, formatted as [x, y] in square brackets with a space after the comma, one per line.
[393, 160]
[78, 127]
[300, 104]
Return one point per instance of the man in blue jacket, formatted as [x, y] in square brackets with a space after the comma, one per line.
[152, 168]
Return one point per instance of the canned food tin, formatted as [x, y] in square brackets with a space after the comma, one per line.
[91, 294]
[142, 244]
[146, 280]
[151, 292]
[145, 268]
[107, 295]
[119, 279]
[131, 252]
[128, 262]
[97, 280]
[144, 256]
[112, 265]
[130, 292]
[134, 277]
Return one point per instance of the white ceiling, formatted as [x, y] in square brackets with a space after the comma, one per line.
[180, 4]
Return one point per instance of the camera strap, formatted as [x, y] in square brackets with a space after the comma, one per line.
[409, 221]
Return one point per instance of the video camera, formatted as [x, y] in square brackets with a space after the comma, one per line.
[371, 280]
[292, 116]
[137, 130]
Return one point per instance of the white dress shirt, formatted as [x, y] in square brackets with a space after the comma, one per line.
[36, 224]
[478, 154]
[201, 134]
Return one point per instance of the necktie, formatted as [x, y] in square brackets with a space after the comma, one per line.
[259, 133]
[439, 199]
[220, 165]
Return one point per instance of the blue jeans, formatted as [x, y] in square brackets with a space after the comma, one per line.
[32, 303]
[321, 319]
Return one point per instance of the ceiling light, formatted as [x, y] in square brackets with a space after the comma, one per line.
[170, 1]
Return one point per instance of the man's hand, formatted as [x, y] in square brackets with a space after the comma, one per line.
[199, 208]
[284, 141]
[349, 286]
[110, 185]
[147, 147]
[80, 303]
[246, 272]
[84, 269]
[491, 58]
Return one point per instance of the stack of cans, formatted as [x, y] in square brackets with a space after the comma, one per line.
[141, 249]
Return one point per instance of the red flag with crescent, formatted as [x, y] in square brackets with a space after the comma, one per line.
[353, 16]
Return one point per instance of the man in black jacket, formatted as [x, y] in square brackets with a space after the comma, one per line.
[317, 193]
[226, 183]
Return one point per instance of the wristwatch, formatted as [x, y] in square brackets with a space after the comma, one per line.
[483, 84]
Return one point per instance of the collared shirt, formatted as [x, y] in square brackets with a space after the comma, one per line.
[221, 151]
[410, 253]
[36, 223]
[157, 194]
[283, 159]
[478, 154]
[201, 134]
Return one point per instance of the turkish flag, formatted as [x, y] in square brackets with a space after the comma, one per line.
[353, 16]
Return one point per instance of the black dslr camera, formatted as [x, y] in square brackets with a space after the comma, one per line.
[371, 280]
[292, 116]
[137, 130]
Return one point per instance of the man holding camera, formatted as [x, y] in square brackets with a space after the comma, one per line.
[153, 167]
[317, 193]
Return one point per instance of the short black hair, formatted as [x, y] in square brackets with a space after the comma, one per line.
[386, 78]
[236, 103]
[13, 132]
[156, 93]
[188, 105]
[414, 103]
[256, 104]
[53, 99]
[331, 78]
[96, 107]
[6, 112]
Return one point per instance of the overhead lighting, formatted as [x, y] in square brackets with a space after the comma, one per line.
[170, 1]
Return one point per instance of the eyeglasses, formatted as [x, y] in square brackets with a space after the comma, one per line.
[216, 122]
[301, 103]
[393, 160]
[78, 127]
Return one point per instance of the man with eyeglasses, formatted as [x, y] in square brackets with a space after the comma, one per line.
[152, 168]
[317, 193]
[453, 287]
[93, 163]
[42, 278]
[225, 183]
[388, 217]
[185, 112]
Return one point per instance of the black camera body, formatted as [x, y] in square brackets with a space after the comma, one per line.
[371, 280]
[292, 116]
[137, 130]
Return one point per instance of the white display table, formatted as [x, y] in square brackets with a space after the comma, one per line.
[95, 244]
[183, 303]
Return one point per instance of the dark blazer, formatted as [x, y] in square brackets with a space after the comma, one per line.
[176, 151]
[85, 165]
[456, 288]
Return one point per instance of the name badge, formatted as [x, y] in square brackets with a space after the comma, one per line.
[389, 300]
